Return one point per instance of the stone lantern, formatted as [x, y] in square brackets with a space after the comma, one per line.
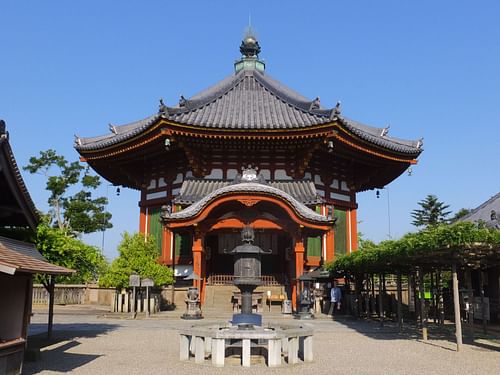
[193, 309]
[247, 276]
[306, 297]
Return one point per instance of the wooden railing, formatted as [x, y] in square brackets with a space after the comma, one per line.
[63, 295]
[225, 279]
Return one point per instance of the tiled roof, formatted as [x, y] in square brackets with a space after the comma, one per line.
[484, 212]
[194, 190]
[18, 256]
[253, 188]
[249, 100]
[14, 193]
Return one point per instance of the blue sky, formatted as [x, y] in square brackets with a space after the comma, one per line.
[428, 69]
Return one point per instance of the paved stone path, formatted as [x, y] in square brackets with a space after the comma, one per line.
[88, 342]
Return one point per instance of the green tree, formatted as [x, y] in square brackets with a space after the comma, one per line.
[59, 248]
[460, 213]
[432, 212]
[79, 212]
[365, 244]
[137, 255]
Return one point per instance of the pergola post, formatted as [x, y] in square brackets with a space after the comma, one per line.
[483, 304]
[373, 307]
[380, 300]
[367, 295]
[470, 300]
[433, 298]
[456, 303]
[51, 290]
[421, 292]
[439, 297]
[400, 302]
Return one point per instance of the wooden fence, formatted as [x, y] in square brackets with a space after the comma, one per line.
[63, 294]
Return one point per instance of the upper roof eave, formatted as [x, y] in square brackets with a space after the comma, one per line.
[210, 110]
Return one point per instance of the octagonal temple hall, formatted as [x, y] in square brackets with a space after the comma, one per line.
[249, 150]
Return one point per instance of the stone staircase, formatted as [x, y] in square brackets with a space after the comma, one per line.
[218, 297]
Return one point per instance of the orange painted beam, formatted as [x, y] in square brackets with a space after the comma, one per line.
[239, 224]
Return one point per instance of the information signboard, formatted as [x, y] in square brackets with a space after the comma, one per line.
[134, 280]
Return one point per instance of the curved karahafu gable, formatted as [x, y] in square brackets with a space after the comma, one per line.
[301, 210]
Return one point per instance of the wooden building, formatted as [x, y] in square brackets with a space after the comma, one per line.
[18, 260]
[249, 150]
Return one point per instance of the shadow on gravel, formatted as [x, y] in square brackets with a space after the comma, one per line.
[389, 331]
[55, 352]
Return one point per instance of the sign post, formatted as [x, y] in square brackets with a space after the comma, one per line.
[134, 281]
[147, 283]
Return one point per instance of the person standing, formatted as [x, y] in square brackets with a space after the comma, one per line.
[335, 298]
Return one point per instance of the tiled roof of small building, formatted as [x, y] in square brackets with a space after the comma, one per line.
[195, 190]
[18, 256]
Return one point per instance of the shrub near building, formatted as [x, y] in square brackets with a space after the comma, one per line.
[137, 255]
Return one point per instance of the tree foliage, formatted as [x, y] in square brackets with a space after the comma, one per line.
[59, 248]
[137, 255]
[460, 214]
[411, 245]
[432, 212]
[79, 212]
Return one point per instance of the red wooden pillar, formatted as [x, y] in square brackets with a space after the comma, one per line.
[197, 250]
[330, 245]
[354, 230]
[142, 220]
[299, 268]
[167, 244]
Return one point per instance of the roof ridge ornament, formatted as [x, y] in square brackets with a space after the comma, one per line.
[420, 143]
[249, 174]
[385, 131]
[4, 134]
[336, 111]
[162, 108]
[78, 140]
[315, 104]
[112, 128]
[183, 102]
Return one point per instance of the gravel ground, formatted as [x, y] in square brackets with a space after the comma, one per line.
[86, 342]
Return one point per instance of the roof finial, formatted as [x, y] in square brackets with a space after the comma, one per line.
[250, 46]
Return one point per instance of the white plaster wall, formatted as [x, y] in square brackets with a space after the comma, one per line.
[215, 174]
[266, 173]
[280, 174]
[231, 174]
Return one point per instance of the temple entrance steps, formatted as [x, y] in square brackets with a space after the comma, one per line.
[220, 297]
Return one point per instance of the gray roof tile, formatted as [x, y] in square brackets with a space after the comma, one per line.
[250, 187]
[193, 190]
[249, 100]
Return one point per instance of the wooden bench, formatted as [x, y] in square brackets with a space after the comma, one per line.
[275, 298]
